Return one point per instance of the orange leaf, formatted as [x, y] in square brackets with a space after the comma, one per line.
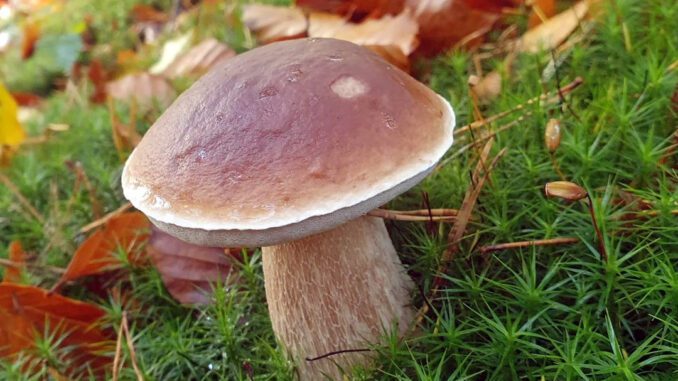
[18, 257]
[26, 99]
[550, 34]
[31, 35]
[128, 231]
[444, 23]
[28, 312]
[97, 75]
[146, 13]
[187, 270]
[541, 10]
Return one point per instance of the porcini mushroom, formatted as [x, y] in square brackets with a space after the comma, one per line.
[288, 146]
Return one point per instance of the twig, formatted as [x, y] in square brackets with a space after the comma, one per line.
[334, 353]
[20, 197]
[81, 175]
[104, 219]
[15, 265]
[414, 216]
[118, 352]
[521, 244]
[599, 234]
[546, 97]
[130, 345]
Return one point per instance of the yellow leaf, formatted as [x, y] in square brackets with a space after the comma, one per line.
[11, 133]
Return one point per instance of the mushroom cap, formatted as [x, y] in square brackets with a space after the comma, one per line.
[284, 141]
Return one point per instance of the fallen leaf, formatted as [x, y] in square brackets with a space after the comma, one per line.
[18, 256]
[541, 10]
[97, 75]
[445, 23]
[29, 312]
[554, 31]
[354, 8]
[189, 271]
[31, 33]
[26, 99]
[143, 88]
[128, 231]
[392, 54]
[399, 31]
[486, 88]
[270, 23]
[146, 13]
[199, 59]
[11, 133]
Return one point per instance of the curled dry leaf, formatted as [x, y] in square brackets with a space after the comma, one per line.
[18, 256]
[143, 88]
[554, 31]
[354, 8]
[398, 31]
[445, 23]
[189, 271]
[28, 312]
[270, 23]
[146, 13]
[552, 135]
[486, 88]
[566, 190]
[31, 33]
[127, 231]
[199, 59]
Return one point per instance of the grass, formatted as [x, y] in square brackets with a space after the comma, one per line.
[551, 313]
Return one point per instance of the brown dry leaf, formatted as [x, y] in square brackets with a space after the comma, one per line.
[128, 231]
[392, 54]
[446, 23]
[143, 88]
[554, 31]
[541, 10]
[486, 88]
[399, 31]
[97, 75]
[270, 23]
[18, 256]
[199, 59]
[24, 99]
[28, 312]
[189, 271]
[146, 13]
[354, 8]
[31, 33]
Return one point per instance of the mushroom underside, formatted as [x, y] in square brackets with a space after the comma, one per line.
[337, 290]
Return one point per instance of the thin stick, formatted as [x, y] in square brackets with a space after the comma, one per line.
[15, 265]
[20, 197]
[104, 219]
[397, 216]
[118, 352]
[334, 353]
[130, 345]
[599, 234]
[521, 244]
[547, 97]
[425, 212]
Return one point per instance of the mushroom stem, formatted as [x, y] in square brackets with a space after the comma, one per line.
[337, 290]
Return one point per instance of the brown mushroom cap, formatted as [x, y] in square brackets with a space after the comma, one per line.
[286, 140]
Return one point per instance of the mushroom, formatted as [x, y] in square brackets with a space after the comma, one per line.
[287, 147]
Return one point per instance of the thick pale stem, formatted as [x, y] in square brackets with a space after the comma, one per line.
[333, 291]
